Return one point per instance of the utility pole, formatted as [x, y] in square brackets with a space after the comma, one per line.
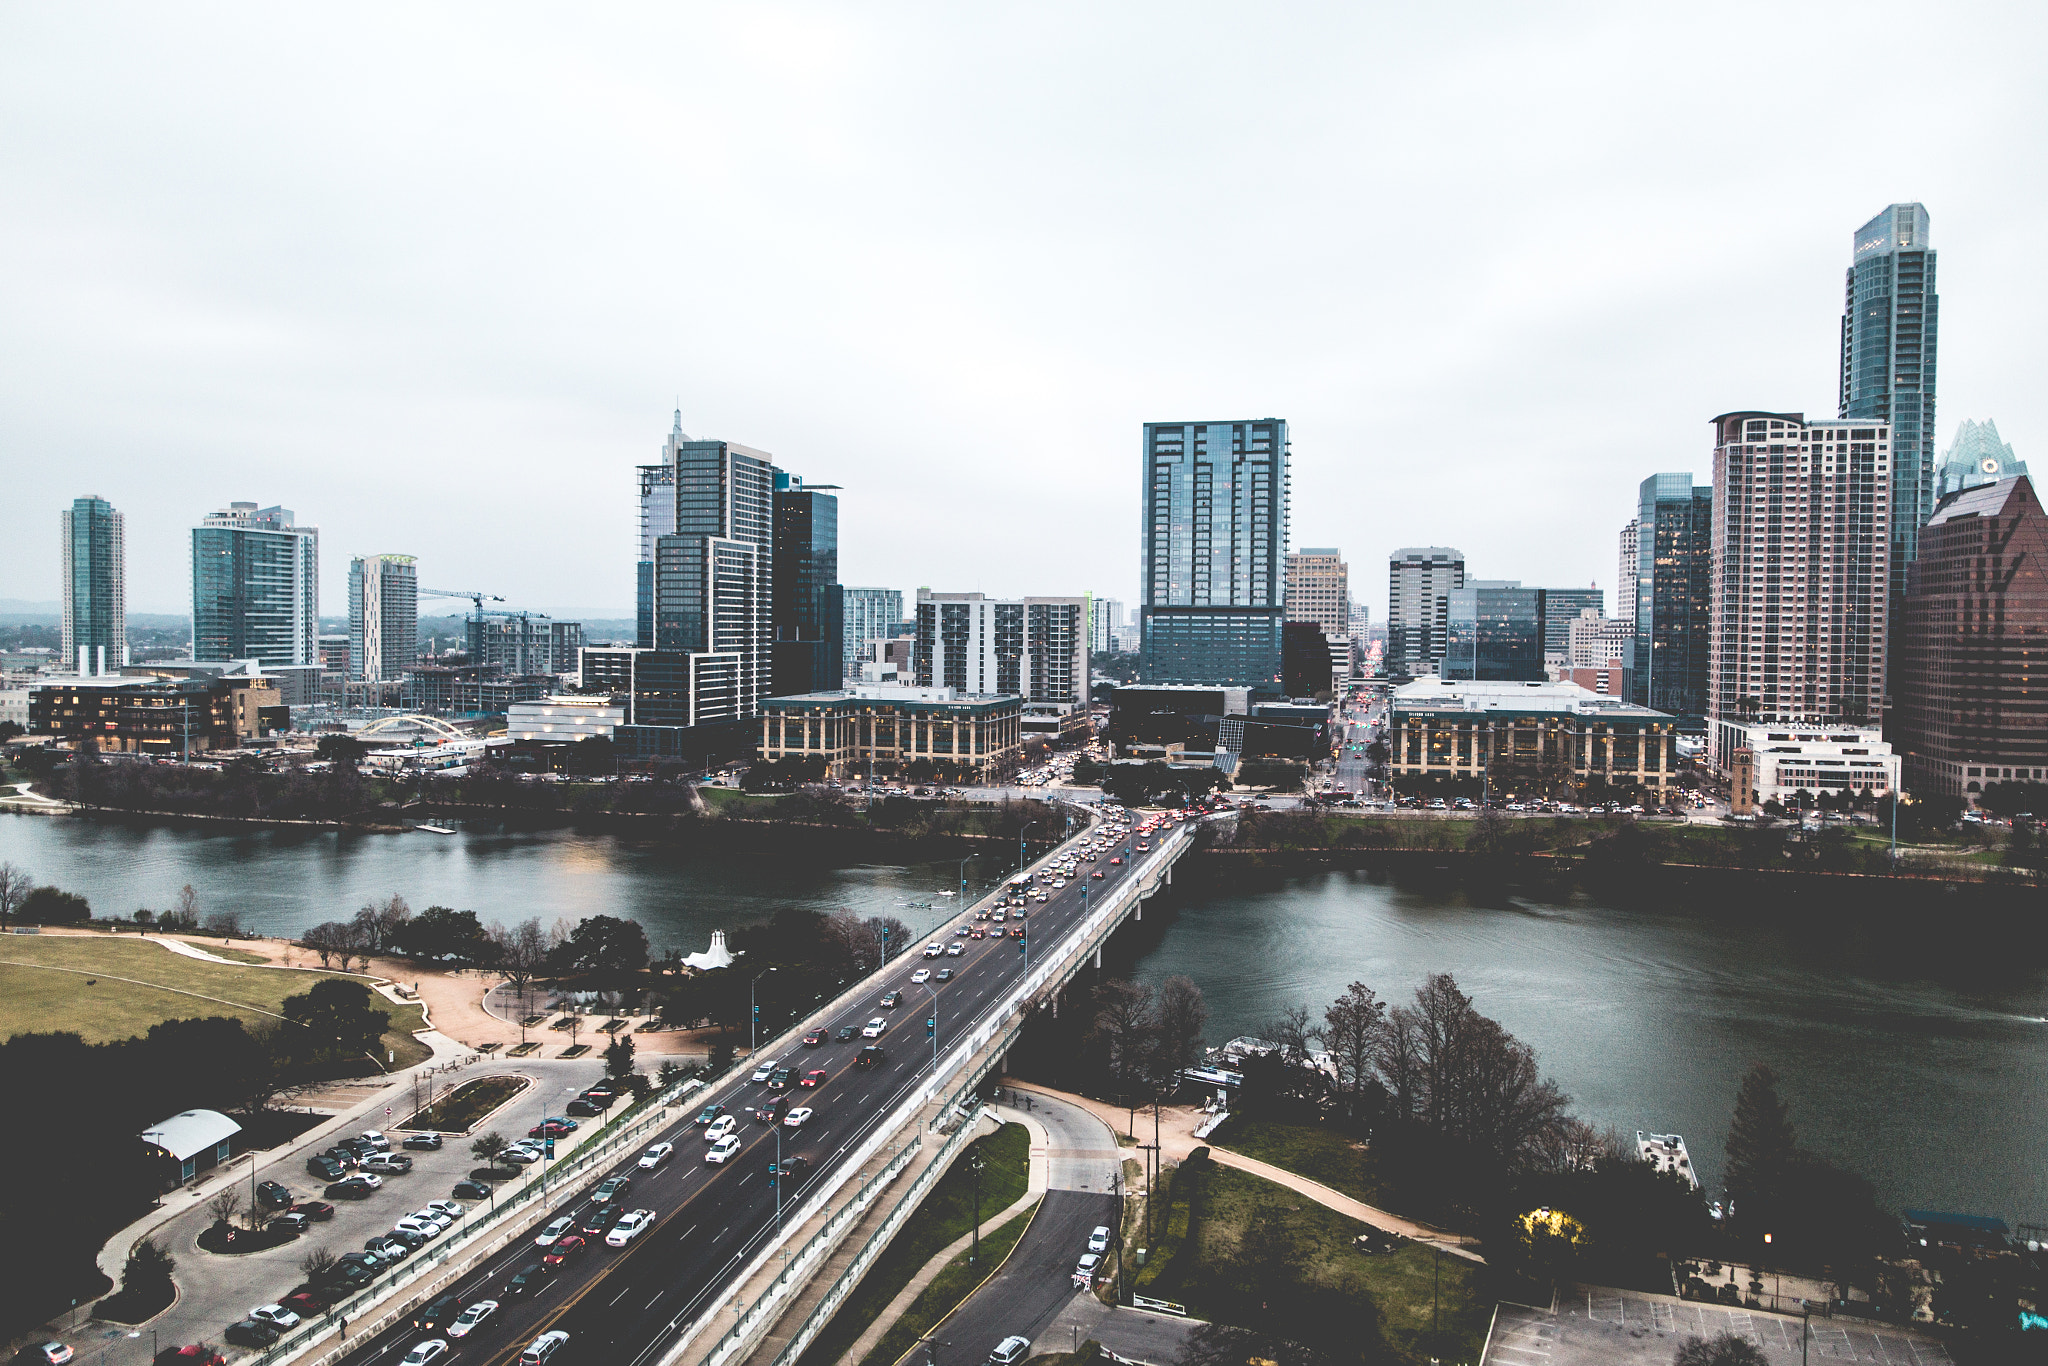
[974, 1252]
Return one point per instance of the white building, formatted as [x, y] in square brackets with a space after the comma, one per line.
[1841, 759]
[1035, 648]
[1596, 640]
[564, 718]
[14, 706]
[1629, 572]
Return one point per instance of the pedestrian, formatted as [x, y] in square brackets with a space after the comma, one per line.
[344, 1325]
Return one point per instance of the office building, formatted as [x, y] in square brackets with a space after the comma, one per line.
[333, 656]
[1673, 591]
[164, 717]
[1319, 590]
[1627, 567]
[255, 587]
[657, 512]
[970, 735]
[1214, 531]
[1036, 648]
[524, 643]
[1890, 330]
[871, 614]
[469, 691]
[1105, 624]
[1419, 584]
[809, 603]
[1562, 607]
[383, 617]
[1801, 571]
[1595, 640]
[1792, 765]
[1975, 458]
[1972, 706]
[1523, 737]
[95, 604]
[1497, 630]
[713, 581]
[564, 719]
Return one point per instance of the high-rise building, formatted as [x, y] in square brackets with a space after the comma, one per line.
[1975, 458]
[871, 614]
[1560, 608]
[1672, 582]
[1214, 531]
[713, 580]
[1319, 589]
[1494, 632]
[1801, 574]
[1105, 624]
[809, 601]
[1035, 648]
[383, 617]
[1419, 584]
[255, 587]
[95, 587]
[1625, 580]
[1890, 330]
[1973, 678]
[657, 519]
[524, 644]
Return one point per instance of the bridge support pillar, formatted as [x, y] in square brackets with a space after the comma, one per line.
[1138, 910]
[1098, 958]
[1169, 875]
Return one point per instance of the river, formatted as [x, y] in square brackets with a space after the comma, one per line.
[1916, 1055]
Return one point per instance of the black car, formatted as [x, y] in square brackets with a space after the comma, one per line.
[346, 1275]
[415, 1241]
[891, 1000]
[779, 1081]
[273, 1195]
[345, 1155]
[846, 1032]
[438, 1314]
[529, 1278]
[350, 1189]
[252, 1333]
[599, 1221]
[792, 1168]
[324, 1167]
[582, 1107]
[296, 1223]
[709, 1113]
[429, 1142]
[601, 1096]
[870, 1056]
[471, 1190]
[368, 1261]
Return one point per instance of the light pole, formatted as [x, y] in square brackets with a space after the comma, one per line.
[754, 1011]
[931, 1024]
[974, 1252]
[963, 878]
[1020, 844]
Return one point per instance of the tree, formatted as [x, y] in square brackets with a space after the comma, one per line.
[316, 1264]
[225, 925]
[50, 906]
[487, 1147]
[184, 915]
[146, 1275]
[618, 1057]
[1180, 1013]
[1761, 1143]
[337, 1015]
[342, 751]
[378, 924]
[15, 885]
[1126, 1030]
[226, 1205]
[521, 951]
[443, 933]
[601, 944]
[1722, 1349]
[1354, 1027]
[720, 1061]
[329, 938]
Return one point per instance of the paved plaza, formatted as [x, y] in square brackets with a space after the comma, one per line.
[1624, 1328]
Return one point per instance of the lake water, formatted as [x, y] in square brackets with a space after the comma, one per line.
[1917, 1056]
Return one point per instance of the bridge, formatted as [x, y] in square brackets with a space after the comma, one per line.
[738, 1266]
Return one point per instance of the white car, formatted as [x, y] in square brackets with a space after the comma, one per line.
[452, 1208]
[370, 1179]
[466, 1322]
[721, 1150]
[1086, 1266]
[543, 1347]
[520, 1154]
[1098, 1239]
[375, 1140]
[276, 1315]
[655, 1156]
[955, 950]
[797, 1118]
[629, 1227]
[921, 975]
[418, 1228]
[934, 950]
[556, 1229]
[721, 1127]
[424, 1352]
[765, 1071]
[430, 1215]
[873, 1028]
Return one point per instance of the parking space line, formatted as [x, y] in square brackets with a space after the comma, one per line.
[1830, 1341]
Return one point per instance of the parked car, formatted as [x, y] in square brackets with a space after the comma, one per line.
[305, 1304]
[276, 1315]
[324, 1167]
[375, 1140]
[1098, 1239]
[554, 1126]
[195, 1355]
[1009, 1351]
[274, 1195]
[585, 1108]
[313, 1209]
[428, 1142]
[454, 1209]
[247, 1333]
[291, 1223]
[353, 1188]
[388, 1164]
[472, 1190]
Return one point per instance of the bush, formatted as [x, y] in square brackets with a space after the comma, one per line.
[50, 906]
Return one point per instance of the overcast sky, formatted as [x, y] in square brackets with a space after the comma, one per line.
[436, 277]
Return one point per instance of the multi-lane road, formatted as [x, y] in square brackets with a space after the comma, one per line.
[622, 1307]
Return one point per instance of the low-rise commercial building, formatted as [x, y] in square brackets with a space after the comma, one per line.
[1851, 761]
[165, 717]
[565, 718]
[891, 726]
[1538, 733]
[186, 1144]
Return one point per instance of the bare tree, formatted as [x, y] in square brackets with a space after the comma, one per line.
[521, 950]
[1127, 1031]
[1505, 1107]
[226, 925]
[330, 938]
[377, 924]
[1293, 1033]
[184, 915]
[1354, 1030]
[226, 1205]
[1180, 1013]
[316, 1263]
[15, 885]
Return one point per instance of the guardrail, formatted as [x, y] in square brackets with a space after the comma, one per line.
[1158, 1306]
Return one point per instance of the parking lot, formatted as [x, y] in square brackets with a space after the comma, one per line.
[1622, 1328]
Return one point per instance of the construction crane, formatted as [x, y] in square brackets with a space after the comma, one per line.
[476, 599]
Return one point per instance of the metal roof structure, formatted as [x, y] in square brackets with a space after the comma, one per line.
[191, 1133]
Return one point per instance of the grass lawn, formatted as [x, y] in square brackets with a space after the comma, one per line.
[43, 990]
[717, 798]
[1202, 1261]
[1338, 1160]
[459, 1110]
[954, 1283]
[946, 1213]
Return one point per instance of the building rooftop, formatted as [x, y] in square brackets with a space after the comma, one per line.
[1487, 695]
[1986, 500]
[191, 1133]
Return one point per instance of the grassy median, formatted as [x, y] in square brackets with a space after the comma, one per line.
[954, 1283]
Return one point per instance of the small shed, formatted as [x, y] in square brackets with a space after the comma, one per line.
[192, 1142]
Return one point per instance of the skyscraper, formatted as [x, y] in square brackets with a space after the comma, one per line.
[1035, 648]
[1673, 593]
[255, 587]
[95, 586]
[657, 519]
[809, 602]
[1105, 623]
[871, 614]
[1319, 589]
[1890, 329]
[1625, 579]
[1419, 584]
[1975, 458]
[1801, 574]
[1561, 607]
[383, 617]
[713, 582]
[1214, 532]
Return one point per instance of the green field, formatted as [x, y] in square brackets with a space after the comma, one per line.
[1338, 1160]
[105, 989]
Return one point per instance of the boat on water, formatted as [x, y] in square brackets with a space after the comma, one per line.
[434, 829]
[1666, 1152]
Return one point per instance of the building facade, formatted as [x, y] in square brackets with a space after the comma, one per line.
[871, 614]
[714, 580]
[892, 726]
[1105, 624]
[255, 586]
[95, 571]
[1212, 591]
[383, 617]
[1420, 580]
[1036, 648]
[1672, 587]
[1890, 331]
[164, 717]
[1801, 571]
[1786, 761]
[566, 719]
[1527, 736]
[657, 512]
[809, 603]
[1496, 630]
[524, 643]
[1319, 589]
[1628, 567]
[1975, 458]
[1973, 696]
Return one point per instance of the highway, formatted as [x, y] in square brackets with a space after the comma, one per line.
[622, 1307]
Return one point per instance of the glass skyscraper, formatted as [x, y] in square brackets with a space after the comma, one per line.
[810, 602]
[1671, 587]
[713, 578]
[1890, 327]
[1213, 542]
[255, 587]
[1495, 632]
[1419, 581]
[871, 614]
[95, 586]
[1975, 458]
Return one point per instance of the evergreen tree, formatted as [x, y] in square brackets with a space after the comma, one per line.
[1761, 1146]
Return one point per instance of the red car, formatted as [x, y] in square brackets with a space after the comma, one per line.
[1116, 861]
[550, 1128]
[305, 1304]
[1098, 873]
[1017, 933]
[814, 1038]
[189, 1356]
[563, 1250]
[816, 1078]
[977, 933]
[313, 1209]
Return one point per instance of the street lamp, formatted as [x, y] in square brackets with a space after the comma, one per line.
[963, 878]
[974, 1252]
[932, 1024]
[1020, 843]
[754, 1011]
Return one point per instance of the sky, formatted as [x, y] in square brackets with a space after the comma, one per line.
[437, 276]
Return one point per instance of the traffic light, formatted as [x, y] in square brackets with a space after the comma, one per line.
[551, 1147]
[931, 1025]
